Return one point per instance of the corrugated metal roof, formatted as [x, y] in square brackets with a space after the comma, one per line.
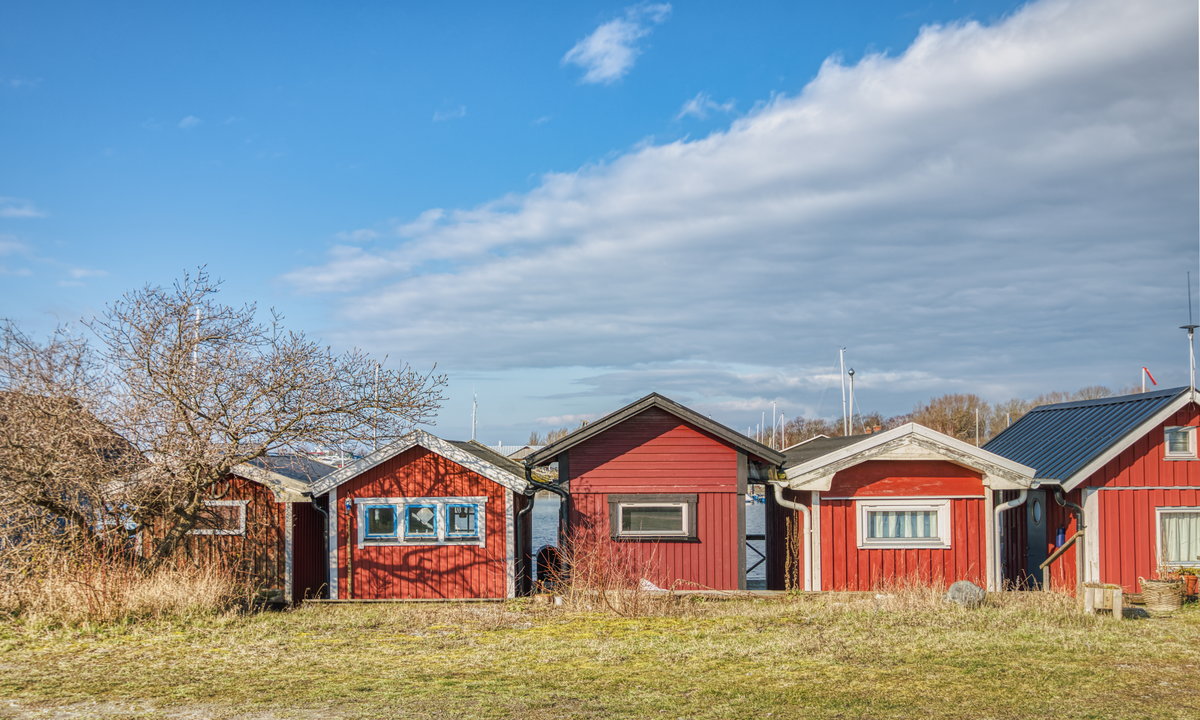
[1059, 440]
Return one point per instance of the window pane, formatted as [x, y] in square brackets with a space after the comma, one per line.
[381, 521]
[1178, 442]
[221, 518]
[1181, 537]
[652, 518]
[421, 521]
[460, 520]
[902, 524]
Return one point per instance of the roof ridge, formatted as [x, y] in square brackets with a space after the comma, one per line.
[1113, 399]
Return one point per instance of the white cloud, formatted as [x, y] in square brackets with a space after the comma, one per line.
[451, 114]
[357, 236]
[11, 207]
[609, 52]
[565, 420]
[10, 245]
[79, 273]
[189, 122]
[997, 209]
[701, 105]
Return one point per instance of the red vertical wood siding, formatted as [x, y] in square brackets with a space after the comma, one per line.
[656, 452]
[846, 567]
[1015, 573]
[696, 565]
[308, 553]
[1132, 486]
[423, 571]
[259, 555]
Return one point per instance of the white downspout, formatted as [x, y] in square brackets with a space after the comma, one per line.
[996, 563]
[807, 532]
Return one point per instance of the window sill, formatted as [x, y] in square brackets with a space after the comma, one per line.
[905, 546]
[655, 538]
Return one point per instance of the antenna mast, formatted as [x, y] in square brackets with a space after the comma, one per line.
[1191, 333]
[850, 424]
[842, 364]
[474, 412]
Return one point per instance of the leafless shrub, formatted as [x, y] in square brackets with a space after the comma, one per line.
[597, 574]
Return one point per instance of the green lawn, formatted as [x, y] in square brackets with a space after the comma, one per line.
[831, 656]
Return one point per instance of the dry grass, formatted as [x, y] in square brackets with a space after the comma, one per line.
[894, 654]
[73, 588]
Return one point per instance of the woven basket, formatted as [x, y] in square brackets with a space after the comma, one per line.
[1162, 596]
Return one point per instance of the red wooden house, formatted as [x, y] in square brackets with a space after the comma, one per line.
[906, 505]
[1125, 471]
[663, 487]
[427, 518]
[261, 520]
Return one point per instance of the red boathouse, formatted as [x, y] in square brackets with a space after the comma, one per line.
[664, 488]
[261, 522]
[427, 518]
[906, 505]
[1124, 470]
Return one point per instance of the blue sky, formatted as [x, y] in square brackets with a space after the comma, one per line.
[568, 205]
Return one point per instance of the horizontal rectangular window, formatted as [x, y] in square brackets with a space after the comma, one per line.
[903, 524]
[1179, 536]
[1180, 442]
[653, 517]
[421, 521]
[221, 517]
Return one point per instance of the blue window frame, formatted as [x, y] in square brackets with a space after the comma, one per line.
[462, 520]
[380, 521]
[420, 521]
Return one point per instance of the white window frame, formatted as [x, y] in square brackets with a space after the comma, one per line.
[440, 505]
[1190, 453]
[241, 529]
[688, 503]
[1158, 536]
[939, 505]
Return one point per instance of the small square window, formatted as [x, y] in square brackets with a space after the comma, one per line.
[380, 521]
[462, 521]
[1181, 442]
[420, 521]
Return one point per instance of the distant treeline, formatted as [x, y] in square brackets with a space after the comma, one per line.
[965, 416]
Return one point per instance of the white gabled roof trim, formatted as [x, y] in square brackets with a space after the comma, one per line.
[1128, 439]
[433, 444]
[1000, 472]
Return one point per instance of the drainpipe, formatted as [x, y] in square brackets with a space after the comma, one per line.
[995, 581]
[807, 532]
[564, 500]
[1080, 556]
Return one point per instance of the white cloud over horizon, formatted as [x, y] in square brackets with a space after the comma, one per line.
[994, 207]
[13, 207]
[609, 52]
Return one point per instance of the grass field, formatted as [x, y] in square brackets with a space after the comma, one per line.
[828, 656]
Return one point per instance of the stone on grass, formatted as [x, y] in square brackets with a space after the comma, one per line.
[966, 593]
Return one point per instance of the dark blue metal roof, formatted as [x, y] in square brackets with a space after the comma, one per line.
[1059, 440]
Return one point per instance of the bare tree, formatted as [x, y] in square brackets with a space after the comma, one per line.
[199, 387]
[58, 461]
